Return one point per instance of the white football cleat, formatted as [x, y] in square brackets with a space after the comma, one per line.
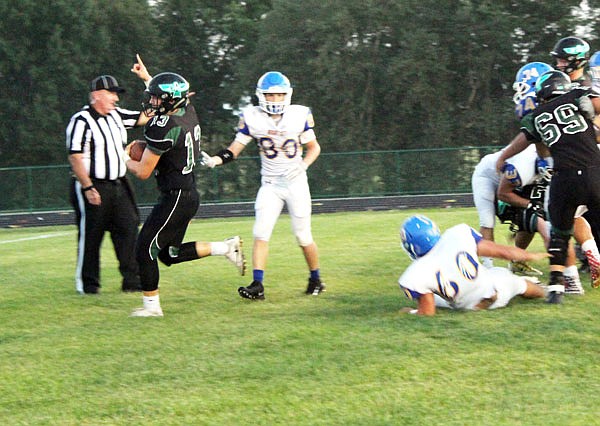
[573, 285]
[144, 312]
[235, 254]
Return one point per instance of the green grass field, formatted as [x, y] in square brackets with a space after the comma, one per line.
[348, 357]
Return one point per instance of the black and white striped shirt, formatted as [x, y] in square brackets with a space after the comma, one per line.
[101, 139]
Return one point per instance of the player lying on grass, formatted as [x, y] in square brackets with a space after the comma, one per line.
[446, 272]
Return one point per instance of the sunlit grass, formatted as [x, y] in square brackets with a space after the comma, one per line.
[346, 357]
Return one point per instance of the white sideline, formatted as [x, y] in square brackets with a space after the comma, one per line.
[37, 237]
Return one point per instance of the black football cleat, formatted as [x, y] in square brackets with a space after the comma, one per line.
[254, 291]
[556, 289]
[315, 287]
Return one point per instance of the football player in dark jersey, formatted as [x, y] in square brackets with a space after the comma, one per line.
[563, 124]
[572, 54]
[173, 145]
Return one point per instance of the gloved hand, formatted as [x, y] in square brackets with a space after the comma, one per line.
[207, 160]
[544, 171]
[296, 171]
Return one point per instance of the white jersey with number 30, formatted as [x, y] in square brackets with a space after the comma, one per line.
[279, 141]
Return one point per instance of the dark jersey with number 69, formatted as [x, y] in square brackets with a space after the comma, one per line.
[563, 124]
[176, 138]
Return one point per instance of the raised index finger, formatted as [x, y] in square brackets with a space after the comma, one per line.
[139, 59]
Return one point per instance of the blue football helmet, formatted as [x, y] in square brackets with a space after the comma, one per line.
[273, 82]
[595, 66]
[419, 234]
[524, 87]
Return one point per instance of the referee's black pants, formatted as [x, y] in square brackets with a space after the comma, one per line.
[116, 214]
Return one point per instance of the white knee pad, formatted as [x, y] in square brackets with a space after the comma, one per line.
[262, 231]
[302, 231]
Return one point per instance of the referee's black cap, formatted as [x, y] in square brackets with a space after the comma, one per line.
[106, 82]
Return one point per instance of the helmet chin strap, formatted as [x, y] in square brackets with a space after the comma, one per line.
[164, 108]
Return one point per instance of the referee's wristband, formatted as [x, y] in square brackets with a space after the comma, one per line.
[87, 188]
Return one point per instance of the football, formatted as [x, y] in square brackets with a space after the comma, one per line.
[136, 149]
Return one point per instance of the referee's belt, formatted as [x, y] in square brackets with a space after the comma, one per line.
[116, 181]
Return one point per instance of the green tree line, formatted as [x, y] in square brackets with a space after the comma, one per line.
[378, 74]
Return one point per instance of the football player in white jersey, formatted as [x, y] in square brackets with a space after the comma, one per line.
[283, 133]
[446, 272]
[485, 183]
[485, 180]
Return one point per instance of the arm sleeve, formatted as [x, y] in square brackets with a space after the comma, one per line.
[528, 128]
[476, 236]
[410, 294]
[586, 108]
[128, 117]
[308, 134]
[76, 131]
[161, 137]
[243, 134]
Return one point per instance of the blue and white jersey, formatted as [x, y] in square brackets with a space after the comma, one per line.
[521, 169]
[522, 166]
[451, 270]
[279, 141]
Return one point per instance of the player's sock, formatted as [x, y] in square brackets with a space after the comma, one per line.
[315, 275]
[218, 248]
[258, 275]
[590, 248]
[571, 271]
[151, 300]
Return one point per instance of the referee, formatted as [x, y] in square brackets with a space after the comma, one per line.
[100, 193]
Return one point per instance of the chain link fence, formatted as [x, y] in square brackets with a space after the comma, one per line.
[333, 175]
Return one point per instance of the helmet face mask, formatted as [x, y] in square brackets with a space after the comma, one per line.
[419, 235]
[551, 84]
[574, 50]
[274, 82]
[166, 92]
[524, 87]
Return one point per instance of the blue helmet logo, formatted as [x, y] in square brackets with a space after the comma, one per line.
[524, 97]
